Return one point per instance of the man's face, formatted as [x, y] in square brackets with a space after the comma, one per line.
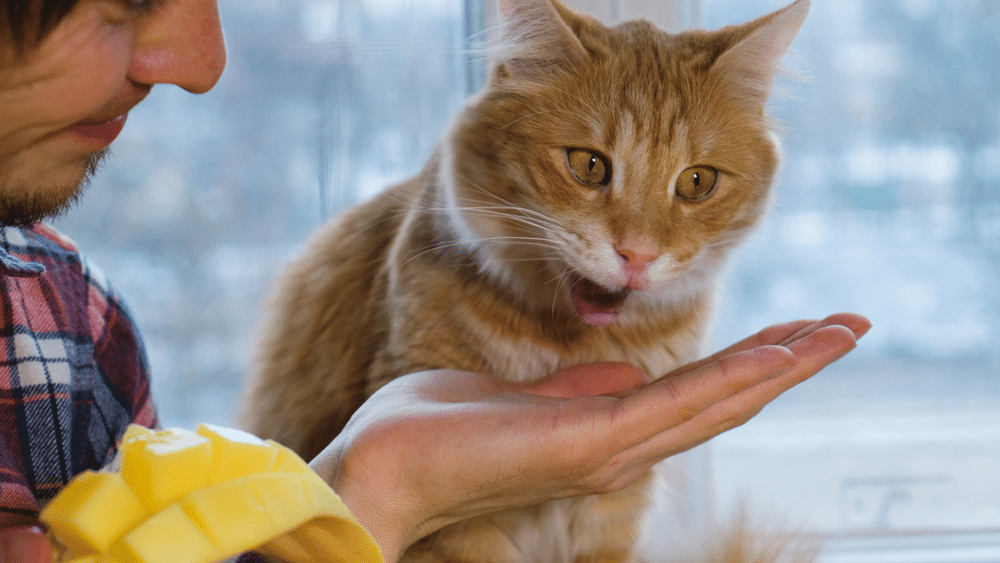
[66, 100]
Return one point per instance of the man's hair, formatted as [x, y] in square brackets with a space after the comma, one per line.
[23, 23]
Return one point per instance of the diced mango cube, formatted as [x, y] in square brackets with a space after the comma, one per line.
[230, 514]
[168, 536]
[136, 432]
[236, 453]
[164, 466]
[93, 510]
[280, 491]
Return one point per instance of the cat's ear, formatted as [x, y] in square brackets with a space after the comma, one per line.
[752, 61]
[533, 39]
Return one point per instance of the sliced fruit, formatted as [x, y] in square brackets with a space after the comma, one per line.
[201, 497]
[162, 467]
[81, 511]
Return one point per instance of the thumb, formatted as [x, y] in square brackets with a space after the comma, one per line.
[589, 380]
[24, 545]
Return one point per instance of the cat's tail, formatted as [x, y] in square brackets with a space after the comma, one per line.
[740, 540]
[743, 542]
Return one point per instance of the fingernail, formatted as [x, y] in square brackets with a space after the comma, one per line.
[781, 360]
[782, 370]
[856, 323]
[864, 328]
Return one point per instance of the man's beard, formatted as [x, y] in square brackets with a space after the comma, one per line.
[21, 206]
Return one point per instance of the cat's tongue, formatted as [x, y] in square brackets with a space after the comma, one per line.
[596, 304]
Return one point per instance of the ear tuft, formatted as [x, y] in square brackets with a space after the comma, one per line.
[752, 62]
[533, 40]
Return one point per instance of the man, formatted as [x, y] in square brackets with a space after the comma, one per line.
[73, 373]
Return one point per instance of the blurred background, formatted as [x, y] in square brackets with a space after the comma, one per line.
[888, 204]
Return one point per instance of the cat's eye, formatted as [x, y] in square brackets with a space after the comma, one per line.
[589, 167]
[697, 182]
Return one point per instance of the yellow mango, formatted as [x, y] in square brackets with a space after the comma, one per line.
[298, 545]
[287, 489]
[80, 511]
[169, 536]
[163, 466]
[231, 514]
[236, 453]
[343, 541]
[136, 432]
[287, 461]
[165, 506]
[332, 532]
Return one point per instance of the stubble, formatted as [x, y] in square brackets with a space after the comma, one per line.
[24, 205]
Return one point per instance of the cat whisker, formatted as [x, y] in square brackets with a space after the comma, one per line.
[529, 217]
[542, 220]
[724, 242]
[562, 279]
[506, 214]
[497, 211]
[542, 243]
[513, 205]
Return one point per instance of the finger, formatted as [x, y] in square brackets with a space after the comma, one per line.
[782, 334]
[813, 352]
[772, 335]
[589, 380]
[24, 545]
[675, 399]
[857, 324]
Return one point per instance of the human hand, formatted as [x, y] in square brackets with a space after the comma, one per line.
[433, 448]
[24, 545]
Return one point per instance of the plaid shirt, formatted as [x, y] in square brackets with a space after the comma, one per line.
[73, 371]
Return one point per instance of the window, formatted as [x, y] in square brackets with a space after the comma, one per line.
[322, 103]
[888, 204]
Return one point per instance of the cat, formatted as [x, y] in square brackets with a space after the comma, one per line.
[580, 208]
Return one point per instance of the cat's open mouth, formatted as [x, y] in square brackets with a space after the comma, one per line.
[596, 304]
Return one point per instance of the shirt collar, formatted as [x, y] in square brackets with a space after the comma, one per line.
[11, 265]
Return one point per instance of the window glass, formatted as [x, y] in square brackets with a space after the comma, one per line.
[888, 204]
[322, 103]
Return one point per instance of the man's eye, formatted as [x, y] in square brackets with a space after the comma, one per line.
[123, 11]
[144, 6]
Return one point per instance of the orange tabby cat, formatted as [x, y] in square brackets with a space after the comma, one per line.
[579, 209]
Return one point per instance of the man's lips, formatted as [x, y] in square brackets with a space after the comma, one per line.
[100, 128]
[103, 132]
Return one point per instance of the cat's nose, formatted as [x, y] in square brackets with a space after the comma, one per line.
[635, 262]
[636, 258]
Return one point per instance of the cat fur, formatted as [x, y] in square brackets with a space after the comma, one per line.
[476, 262]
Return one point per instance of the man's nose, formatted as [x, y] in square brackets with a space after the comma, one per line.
[181, 43]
